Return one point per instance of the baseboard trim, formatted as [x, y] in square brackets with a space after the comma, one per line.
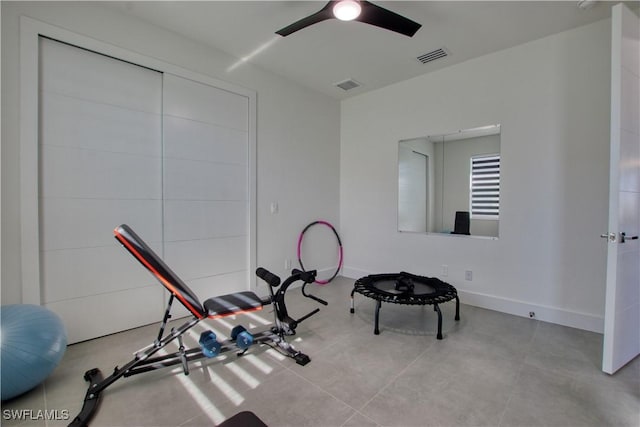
[559, 316]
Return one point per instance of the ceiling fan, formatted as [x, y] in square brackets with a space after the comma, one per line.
[363, 11]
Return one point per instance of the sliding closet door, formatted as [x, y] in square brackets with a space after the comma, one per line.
[206, 186]
[100, 165]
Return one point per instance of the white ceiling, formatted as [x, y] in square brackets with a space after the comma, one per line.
[332, 51]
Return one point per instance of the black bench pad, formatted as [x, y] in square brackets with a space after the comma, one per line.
[230, 304]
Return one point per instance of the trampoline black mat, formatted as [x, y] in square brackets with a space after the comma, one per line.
[405, 288]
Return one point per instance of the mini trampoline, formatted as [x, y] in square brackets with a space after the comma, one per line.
[406, 288]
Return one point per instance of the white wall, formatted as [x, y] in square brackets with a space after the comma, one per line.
[551, 98]
[297, 129]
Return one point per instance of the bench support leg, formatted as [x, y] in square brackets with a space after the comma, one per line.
[352, 310]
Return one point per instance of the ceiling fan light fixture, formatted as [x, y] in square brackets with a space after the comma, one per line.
[358, 10]
[347, 10]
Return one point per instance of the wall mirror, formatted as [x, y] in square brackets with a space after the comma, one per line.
[450, 183]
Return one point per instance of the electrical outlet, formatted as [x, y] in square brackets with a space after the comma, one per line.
[287, 264]
[445, 270]
[468, 275]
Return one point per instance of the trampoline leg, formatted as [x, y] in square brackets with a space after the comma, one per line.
[376, 331]
[436, 308]
[457, 308]
[352, 310]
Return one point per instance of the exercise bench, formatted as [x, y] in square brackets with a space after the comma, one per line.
[213, 308]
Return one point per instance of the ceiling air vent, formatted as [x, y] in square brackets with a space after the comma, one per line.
[433, 55]
[348, 84]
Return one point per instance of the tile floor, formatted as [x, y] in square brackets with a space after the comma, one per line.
[491, 369]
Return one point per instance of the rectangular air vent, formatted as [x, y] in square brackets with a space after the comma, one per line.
[347, 84]
[433, 55]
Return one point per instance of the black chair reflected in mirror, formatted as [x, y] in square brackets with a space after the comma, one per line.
[462, 223]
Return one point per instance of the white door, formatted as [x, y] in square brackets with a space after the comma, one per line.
[622, 307]
[100, 165]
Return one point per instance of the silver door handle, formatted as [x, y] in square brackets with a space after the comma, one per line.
[624, 238]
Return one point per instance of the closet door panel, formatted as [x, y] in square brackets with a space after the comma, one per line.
[78, 273]
[80, 173]
[85, 216]
[201, 180]
[81, 124]
[127, 311]
[193, 140]
[206, 186]
[100, 166]
[197, 259]
[203, 103]
[190, 220]
[82, 74]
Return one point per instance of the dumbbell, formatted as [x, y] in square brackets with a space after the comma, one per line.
[209, 344]
[242, 337]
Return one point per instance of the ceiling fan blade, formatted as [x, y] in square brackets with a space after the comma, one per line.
[384, 18]
[322, 15]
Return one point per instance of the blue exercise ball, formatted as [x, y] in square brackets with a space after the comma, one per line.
[32, 343]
